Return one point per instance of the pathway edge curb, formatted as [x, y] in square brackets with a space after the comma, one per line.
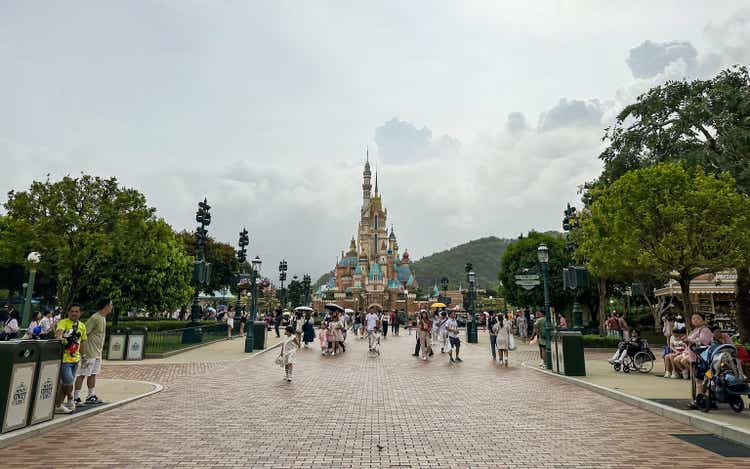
[28, 432]
[726, 431]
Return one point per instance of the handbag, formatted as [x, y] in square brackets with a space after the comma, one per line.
[511, 342]
[280, 360]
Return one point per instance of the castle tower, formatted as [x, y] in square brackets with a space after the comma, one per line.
[366, 175]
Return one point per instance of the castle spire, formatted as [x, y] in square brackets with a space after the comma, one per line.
[366, 187]
[376, 181]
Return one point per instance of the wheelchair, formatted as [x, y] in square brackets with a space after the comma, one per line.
[642, 361]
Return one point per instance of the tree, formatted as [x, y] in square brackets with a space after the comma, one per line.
[522, 254]
[223, 259]
[97, 238]
[666, 220]
[701, 122]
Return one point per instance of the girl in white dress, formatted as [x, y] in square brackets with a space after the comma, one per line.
[502, 329]
[288, 351]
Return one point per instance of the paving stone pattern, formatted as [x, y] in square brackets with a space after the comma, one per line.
[353, 411]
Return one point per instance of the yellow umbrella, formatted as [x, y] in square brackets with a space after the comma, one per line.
[437, 305]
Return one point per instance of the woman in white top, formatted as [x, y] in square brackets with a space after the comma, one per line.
[502, 330]
[10, 331]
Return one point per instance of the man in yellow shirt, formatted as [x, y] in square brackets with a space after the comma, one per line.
[72, 333]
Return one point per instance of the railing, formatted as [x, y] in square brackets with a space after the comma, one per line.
[160, 342]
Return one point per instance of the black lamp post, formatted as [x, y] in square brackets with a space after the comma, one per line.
[249, 335]
[201, 272]
[543, 255]
[241, 258]
[444, 285]
[471, 327]
[282, 279]
[307, 288]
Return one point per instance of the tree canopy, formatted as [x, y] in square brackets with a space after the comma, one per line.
[668, 220]
[522, 254]
[97, 238]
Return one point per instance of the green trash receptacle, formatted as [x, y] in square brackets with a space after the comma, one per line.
[19, 360]
[573, 360]
[259, 335]
[118, 339]
[136, 343]
[47, 381]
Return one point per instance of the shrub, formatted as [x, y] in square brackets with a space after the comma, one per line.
[598, 341]
[159, 325]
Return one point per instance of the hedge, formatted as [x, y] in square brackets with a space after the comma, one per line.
[598, 341]
[160, 325]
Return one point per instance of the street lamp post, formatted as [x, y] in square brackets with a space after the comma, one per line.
[33, 259]
[249, 334]
[306, 286]
[471, 327]
[201, 273]
[282, 279]
[241, 259]
[543, 255]
[444, 285]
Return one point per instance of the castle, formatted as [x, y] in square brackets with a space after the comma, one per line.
[371, 271]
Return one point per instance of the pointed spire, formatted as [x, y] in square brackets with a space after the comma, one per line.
[376, 180]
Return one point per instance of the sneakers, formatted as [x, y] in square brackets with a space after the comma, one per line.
[78, 401]
[93, 399]
[675, 375]
[458, 359]
[288, 379]
[667, 374]
[70, 405]
[452, 360]
[61, 409]
[424, 358]
[686, 374]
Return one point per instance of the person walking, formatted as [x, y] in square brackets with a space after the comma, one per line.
[624, 328]
[522, 327]
[492, 320]
[451, 327]
[277, 321]
[308, 329]
[11, 328]
[424, 328]
[394, 322]
[243, 321]
[288, 352]
[443, 333]
[91, 352]
[540, 337]
[384, 323]
[372, 324]
[435, 327]
[502, 332]
[229, 318]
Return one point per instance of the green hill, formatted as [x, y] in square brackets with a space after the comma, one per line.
[483, 253]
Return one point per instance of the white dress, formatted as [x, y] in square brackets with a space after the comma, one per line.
[503, 335]
[289, 350]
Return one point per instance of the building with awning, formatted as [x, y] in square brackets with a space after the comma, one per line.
[712, 294]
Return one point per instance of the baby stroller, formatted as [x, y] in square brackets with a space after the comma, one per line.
[642, 360]
[373, 340]
[723, 379]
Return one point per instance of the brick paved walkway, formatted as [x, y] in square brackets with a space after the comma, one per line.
[340, 409]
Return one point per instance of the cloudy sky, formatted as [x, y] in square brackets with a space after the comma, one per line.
[482, 117]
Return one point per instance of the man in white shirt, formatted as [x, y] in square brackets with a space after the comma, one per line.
[451, 326]
[372, 324]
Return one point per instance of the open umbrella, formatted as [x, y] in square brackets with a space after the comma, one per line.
[333, 307]
[348, 311]
[437, 305]
[304, 309]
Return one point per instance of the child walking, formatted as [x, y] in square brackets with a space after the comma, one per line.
[288, 351]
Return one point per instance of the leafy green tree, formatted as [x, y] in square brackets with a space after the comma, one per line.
[700, 122]
[522, 254]
[666, 220]
[223, 259]
[97, 238]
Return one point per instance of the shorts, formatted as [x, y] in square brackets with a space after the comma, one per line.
[455, 342]
[68, 372]
[90, 366]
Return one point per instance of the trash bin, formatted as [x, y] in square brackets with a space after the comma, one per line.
[259, 335]
[19, 360]
[573, 360]
[118, 339]
[136, 343]
[47, 381]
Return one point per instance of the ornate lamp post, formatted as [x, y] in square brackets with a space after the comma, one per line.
[543, 255]
[201, 272]
[249, 335]
[471, 326]
[33, 259]
[282, 279]
[444, 286]
[241, 258]
[307, 288]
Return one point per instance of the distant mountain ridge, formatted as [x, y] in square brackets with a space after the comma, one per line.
[483, 253]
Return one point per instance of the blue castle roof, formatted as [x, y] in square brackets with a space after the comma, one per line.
[375, 272]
